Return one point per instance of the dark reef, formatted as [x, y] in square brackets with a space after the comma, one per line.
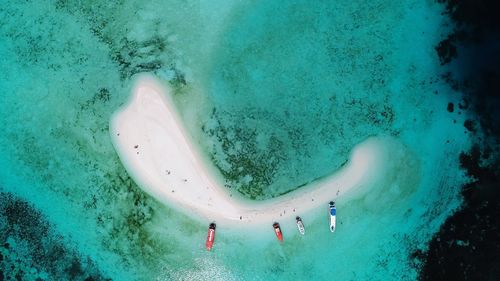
[247, 159]
[467, 246]
[30, 248]
[153, 54]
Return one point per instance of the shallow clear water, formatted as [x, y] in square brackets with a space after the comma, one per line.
[276, 95]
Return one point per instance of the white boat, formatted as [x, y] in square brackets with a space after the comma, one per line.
[300, 225]
[333, 215]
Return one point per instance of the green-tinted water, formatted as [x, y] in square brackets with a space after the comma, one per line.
[275, 94]
[296, 86]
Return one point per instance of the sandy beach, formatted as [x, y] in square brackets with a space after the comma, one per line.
[159, 155]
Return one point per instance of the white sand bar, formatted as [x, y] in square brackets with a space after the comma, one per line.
[160, 157]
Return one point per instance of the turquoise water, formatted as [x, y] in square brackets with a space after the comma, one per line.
[276, 95]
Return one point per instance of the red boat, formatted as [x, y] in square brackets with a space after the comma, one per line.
[210, 236]
[277, 231]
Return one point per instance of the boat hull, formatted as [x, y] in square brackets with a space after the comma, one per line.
[278, 232]
[210, 237]
[333, 216]
[300, 226]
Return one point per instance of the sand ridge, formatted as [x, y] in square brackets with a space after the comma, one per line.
[157, 152]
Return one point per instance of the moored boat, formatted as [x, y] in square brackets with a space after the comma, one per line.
[277, 231]
[333, 215]
[300, 225]
[210, 236]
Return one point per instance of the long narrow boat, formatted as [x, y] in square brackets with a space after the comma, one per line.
[300, 225]
[277, 231]
[210, 236]
[333, 215]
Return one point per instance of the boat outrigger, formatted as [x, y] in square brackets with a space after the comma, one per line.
[300, 225]
[210, 236]
[277, 231]
[333, 214]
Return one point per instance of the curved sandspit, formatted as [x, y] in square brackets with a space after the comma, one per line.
[157, 152]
